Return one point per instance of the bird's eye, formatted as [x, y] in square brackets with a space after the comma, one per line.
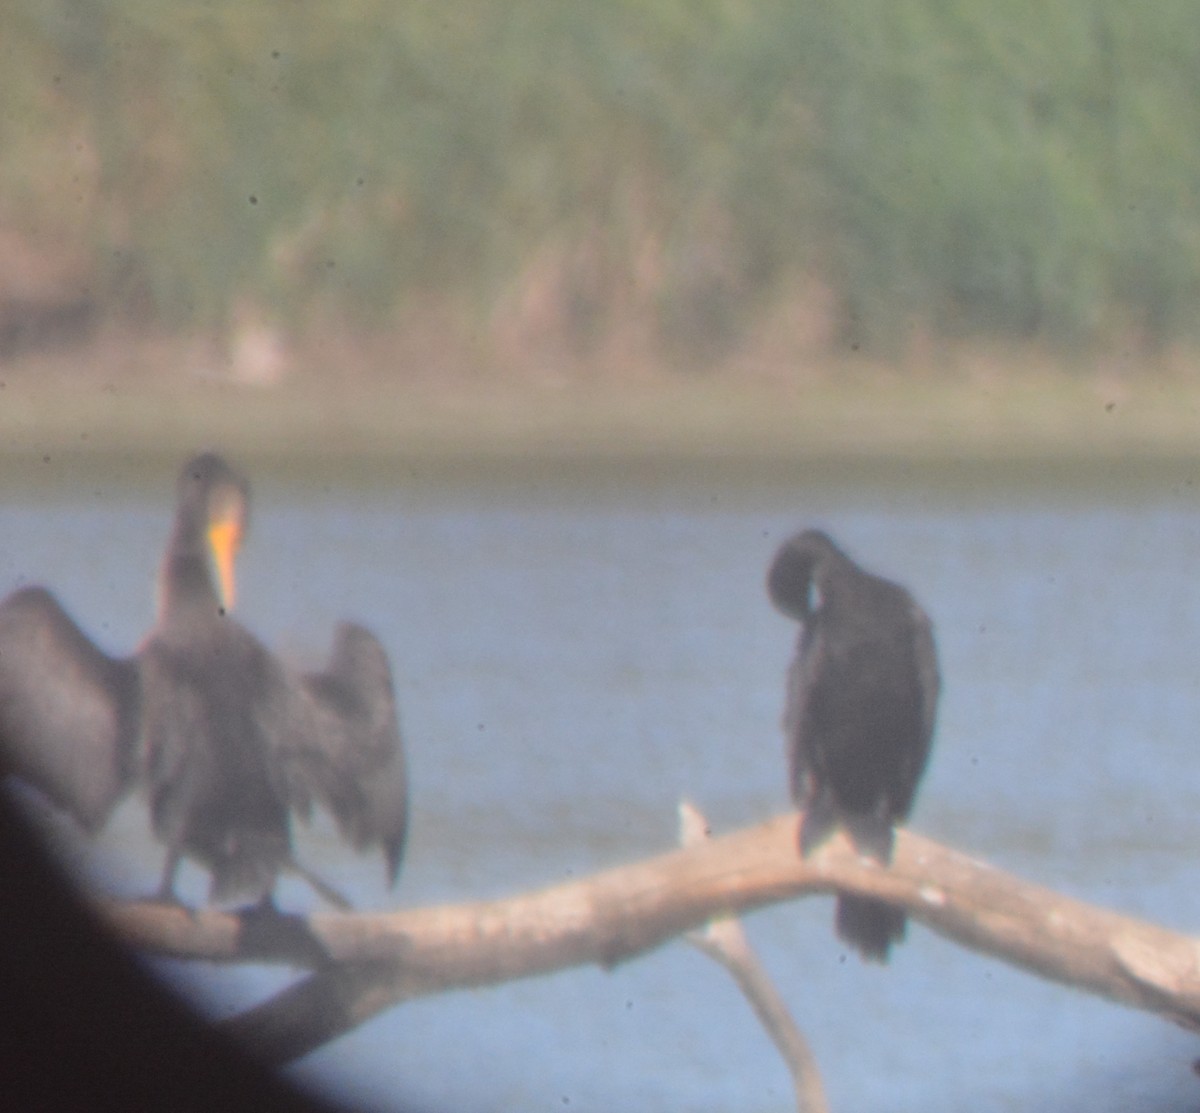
[815, 599]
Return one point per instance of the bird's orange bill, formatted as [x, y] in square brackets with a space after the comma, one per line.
[224, 539]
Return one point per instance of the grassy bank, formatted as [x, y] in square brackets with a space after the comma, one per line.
[58, 426]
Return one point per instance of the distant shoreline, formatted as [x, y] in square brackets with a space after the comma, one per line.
[1019, 427]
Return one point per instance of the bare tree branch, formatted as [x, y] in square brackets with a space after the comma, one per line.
[724, 940]
[377, 960]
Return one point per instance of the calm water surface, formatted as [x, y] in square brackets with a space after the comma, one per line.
[570, 666]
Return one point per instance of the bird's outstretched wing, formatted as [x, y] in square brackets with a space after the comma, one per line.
[68, 712]
[345, 751]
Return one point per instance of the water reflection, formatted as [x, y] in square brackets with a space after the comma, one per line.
[568, 667]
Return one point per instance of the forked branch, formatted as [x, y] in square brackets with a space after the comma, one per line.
[376, 960]
[724, 940]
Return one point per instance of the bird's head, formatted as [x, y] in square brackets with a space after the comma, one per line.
[796, 580]
[214, 502]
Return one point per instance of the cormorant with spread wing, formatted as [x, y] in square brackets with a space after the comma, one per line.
[861, 696]
[225, 740]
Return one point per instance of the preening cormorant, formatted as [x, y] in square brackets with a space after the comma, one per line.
[226, 741]
[861, 697]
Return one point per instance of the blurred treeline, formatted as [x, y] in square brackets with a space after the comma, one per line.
[683, 177]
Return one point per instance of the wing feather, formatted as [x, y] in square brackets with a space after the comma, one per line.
[929, 687]
[68, 711]
[801, 679]
[346, 752]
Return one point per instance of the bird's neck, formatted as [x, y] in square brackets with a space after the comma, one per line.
[185, 582]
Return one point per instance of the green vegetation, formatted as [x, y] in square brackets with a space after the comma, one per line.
[675, 171]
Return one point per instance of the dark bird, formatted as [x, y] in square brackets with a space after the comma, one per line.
[861, 697]
[226, 742]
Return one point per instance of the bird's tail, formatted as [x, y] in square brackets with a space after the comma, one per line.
[870, 926]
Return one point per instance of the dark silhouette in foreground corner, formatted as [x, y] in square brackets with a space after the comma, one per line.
[226, 741]
[861, 697]
[86, 1025]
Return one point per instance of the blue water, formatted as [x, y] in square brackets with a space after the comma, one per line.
[569, 667]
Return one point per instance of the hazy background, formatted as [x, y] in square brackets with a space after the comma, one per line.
[660, 203]
[618, 294]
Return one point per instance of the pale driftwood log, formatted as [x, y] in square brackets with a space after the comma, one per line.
[381, 959]
[724, 940]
